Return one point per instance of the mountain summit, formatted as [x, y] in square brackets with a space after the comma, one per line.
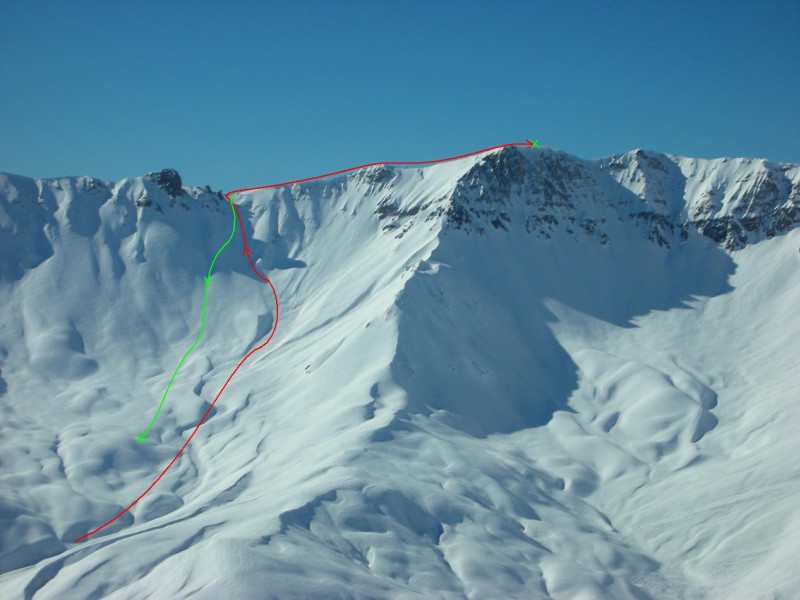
[519, 374]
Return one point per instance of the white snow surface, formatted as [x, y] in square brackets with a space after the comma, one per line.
[550, 397]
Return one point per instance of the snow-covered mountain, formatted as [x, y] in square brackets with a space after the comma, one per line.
[519, 374]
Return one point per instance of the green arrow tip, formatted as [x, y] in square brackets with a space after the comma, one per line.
[142, 437]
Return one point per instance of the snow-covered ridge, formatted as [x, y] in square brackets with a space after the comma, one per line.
[732, 201]
[32, 210]
[515, 375]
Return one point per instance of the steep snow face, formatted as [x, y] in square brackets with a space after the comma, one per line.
[515, 375]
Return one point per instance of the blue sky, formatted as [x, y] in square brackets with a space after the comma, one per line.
[245, 93]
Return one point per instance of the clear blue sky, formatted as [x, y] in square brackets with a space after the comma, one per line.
[244, 93]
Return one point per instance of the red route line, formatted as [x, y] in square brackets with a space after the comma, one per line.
[248, 253]
[382, 162]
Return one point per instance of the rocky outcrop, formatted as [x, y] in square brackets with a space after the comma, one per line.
[730, 201]
[168, 180]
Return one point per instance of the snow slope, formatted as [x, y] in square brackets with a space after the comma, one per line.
[519, 374]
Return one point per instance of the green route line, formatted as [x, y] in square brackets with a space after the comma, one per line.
[233, 231]
[142, 437]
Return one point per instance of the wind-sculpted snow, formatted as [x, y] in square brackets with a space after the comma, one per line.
[519, 374]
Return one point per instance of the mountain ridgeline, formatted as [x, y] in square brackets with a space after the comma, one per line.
[732, 201]
[516, 374]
